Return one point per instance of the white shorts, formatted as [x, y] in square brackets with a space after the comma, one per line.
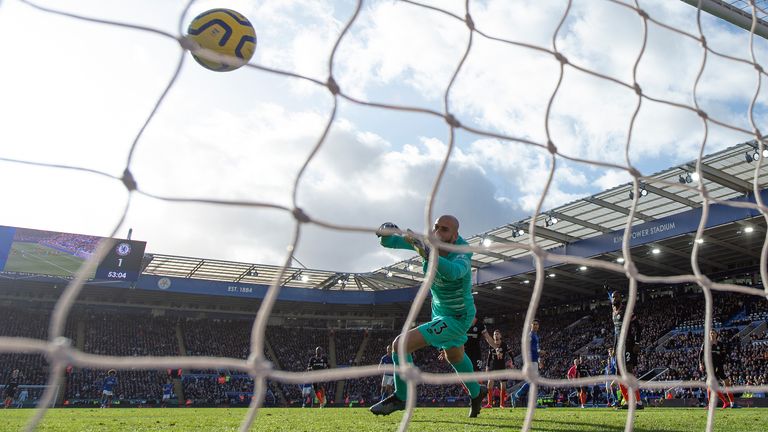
[387, 380]
[106, 392]
[166, 397]
[306, 391]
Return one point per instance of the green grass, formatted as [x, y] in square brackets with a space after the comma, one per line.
[39, 259]
[360, 420]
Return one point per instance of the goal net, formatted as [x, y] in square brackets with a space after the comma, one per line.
[496, 41]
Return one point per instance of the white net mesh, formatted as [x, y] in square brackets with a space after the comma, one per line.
[61, 353]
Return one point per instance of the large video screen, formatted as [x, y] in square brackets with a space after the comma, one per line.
[28, 252]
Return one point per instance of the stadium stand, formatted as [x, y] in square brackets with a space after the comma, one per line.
[671, 318]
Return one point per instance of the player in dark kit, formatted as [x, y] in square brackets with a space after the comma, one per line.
[10, 387]
[582, 371]
[632, 346]
[496, 359]
[719, 356]
[472, 346]
[318, 362]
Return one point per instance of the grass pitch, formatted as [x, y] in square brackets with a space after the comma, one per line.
[38, 259]
[360, 420]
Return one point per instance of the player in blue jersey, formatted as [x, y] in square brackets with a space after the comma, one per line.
[167, 392]
[307, 395]
[108, 388]
[535, 352]
[453, 310]
[610, 369]
[388, 379]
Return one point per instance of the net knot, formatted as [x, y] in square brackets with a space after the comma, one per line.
[643, 14]
[537, 250]
[129, 181]
[411, 373]
[59, 352]
[187, 43]
[259, 367]
[551, 147]
[631, 268]
[470, 22]
[300, 216]
[453, 121]
[530, 372]
[631, 381]
[638, 89]
[702, 114]
[634, 172]
[758, 67]
[333, 86]
[561, 58]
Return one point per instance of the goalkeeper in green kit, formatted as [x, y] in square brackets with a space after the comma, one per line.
[453, 310]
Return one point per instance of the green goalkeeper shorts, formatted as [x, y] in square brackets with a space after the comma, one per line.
[445, 332]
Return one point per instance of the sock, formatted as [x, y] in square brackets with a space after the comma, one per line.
[490, 397]
[522, 391]
[624, 393]
[503, 396]
[401, 388]
[637, 397]
[582, 397]
[722, 398]
[465, 366]
[730, 397]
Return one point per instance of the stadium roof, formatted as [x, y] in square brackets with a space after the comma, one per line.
[727, 174]
[295, 277]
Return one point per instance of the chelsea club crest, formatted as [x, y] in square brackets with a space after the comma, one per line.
[123, 249]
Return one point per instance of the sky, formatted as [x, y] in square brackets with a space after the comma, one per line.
[77, 93]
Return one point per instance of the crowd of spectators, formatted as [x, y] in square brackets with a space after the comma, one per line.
[293, 347]
[29, 323]
[676, 321]
[347, 344]
[122, 334]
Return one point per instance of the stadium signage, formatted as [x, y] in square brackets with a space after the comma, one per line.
[28, 253]
[643, 232]
[648, 232]
[256, 291]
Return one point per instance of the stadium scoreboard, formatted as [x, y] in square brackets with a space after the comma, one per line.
[28, 252]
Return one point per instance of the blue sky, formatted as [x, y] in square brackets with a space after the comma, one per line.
[77, 94]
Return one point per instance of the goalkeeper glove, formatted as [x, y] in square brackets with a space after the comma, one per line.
[418, 244]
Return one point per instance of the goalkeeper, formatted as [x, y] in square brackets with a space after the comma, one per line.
[453, 310]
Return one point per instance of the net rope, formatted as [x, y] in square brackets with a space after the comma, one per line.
[60, 352]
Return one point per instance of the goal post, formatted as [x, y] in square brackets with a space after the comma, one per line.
[742, 17]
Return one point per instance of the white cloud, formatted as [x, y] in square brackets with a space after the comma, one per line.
[246, 134]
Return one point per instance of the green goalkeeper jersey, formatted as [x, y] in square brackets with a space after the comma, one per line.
[452, 287]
